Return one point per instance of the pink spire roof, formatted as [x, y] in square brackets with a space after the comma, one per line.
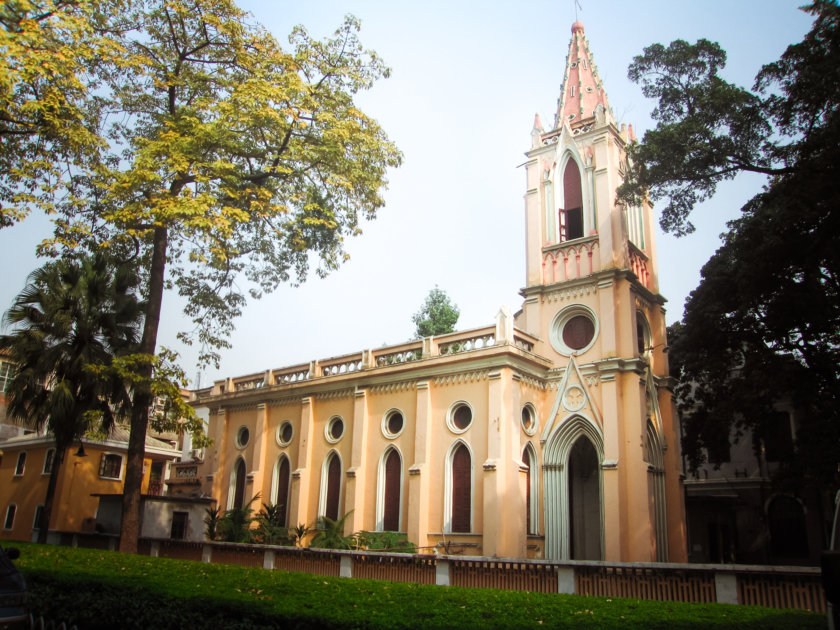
[582, 90]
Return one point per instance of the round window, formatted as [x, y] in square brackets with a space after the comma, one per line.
[460, 417]
[393, 423]
[529, 419]
[285, 432]
[574, 330]
[243, 435]
[578, 332]
[334, 429]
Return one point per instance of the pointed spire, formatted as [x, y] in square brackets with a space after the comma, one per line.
[582, 90]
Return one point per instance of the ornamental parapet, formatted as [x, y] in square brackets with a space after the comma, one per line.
[463, 342]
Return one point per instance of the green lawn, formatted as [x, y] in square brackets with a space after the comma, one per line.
[100, 589]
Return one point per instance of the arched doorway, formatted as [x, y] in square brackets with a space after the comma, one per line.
[584, 501]
[573, 505]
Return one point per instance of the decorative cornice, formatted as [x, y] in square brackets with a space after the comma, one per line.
[289, 400]
[464, 377]
[571, 293]
[339, 393]
[390, 388]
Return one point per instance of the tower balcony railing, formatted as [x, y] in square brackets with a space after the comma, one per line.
[571, 259]
[467, 341]
[639, 265]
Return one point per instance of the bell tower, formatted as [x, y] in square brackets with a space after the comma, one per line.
[609, 443]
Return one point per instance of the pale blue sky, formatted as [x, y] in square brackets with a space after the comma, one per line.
[467, 79]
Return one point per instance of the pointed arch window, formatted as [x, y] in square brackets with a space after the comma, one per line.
[280, 487]
[458, 505]
[529, 463]
[236, 492]
[330, 487]
[571, 214]
[389, 496]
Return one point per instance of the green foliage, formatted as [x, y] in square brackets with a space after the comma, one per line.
[71, 322]
[216, 160]
[298, 533]
[99, 589]
[212, 516]
[270, 529]
[391, 542]
[235, 525]
[329, 534]
[437, 316]
[709, 130]
[763, 326]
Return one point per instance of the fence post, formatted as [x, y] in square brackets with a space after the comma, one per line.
[442, 573]
[726, 588]
[207, 553]
[268, 559]
[566, 580]
[154, 549]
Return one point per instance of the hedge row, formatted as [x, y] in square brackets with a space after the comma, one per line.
[99, 589]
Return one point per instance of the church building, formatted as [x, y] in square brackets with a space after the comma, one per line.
[550, 433]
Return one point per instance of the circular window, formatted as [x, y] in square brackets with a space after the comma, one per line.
[460, 417]
[574, 330]
[529, 419]
[285, 432]
[242, 437]
[393, 423]
[334, 429]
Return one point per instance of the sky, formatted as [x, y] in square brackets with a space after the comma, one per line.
[466, 80]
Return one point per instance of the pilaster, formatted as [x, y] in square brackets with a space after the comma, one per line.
[418, 473]
[357, 473]
[302, 475]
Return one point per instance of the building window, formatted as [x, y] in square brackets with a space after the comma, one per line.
[529, 463]
[110, 466]
[334, 429]
[574, 330]
[643, 337]
[49, 457]
[236, 491]
[330, 501]
[457, 516]
[788, 530]
[7, 371]
[460, 417]
[178, 531]
[571, 215]
[393, 423]
[39, 512]
[777, 437]
[243, 436]
[280, 487]
[9, 522]
[285, 433]
[389, 499]
[529, 419]
[21, 463]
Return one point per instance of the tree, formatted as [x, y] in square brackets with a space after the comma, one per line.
[709, 130]
[220, 155]
[72, 315]
[437, 316]
[764, 323]
[53, 58]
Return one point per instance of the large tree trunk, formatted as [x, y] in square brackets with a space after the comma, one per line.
[130, 527]
[46, 513]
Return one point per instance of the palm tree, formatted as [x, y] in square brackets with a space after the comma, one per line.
[73, 314]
